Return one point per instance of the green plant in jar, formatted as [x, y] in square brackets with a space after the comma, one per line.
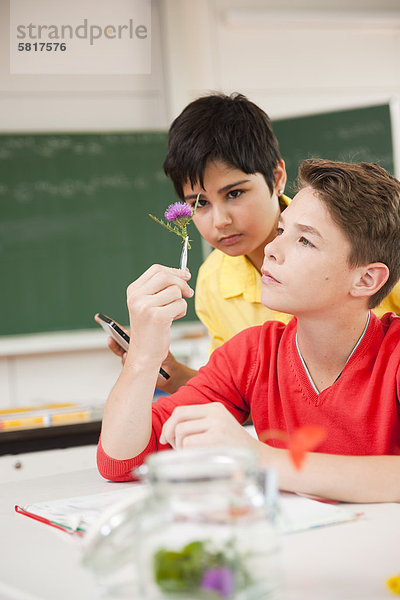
[201, 570]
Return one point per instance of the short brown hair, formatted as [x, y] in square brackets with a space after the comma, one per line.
[364, 201]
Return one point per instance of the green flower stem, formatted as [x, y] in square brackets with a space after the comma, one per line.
[181, 230]
[170, 227]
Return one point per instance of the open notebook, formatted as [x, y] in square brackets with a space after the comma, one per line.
[76, 515]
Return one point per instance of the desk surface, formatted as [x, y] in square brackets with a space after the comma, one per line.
[350, 561]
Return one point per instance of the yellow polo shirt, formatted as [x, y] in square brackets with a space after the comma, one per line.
[228, 293]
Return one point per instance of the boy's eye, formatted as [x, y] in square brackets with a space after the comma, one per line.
[202, 202]
[234, 194]
[279, 230]
[305, 242]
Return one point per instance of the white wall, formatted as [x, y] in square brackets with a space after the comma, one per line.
[291, 57]
[81, 102]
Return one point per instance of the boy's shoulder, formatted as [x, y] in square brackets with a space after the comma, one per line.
[219, 265]
[215, 261]
[390, 321]
[380, 346]
[390, 329]
[211, 264]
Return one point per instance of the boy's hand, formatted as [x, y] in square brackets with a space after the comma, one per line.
[200, 425]
[178, 372]
[116, 348]
[155, 300]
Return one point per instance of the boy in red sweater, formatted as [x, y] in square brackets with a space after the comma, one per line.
[336, 255]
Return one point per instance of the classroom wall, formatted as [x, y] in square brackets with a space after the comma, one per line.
[82, 102]
[290, 57]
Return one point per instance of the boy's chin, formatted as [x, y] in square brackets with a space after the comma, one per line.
[233, 251]
[276, 307]
[268, 302]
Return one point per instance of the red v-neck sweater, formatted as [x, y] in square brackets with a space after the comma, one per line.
[259, 372]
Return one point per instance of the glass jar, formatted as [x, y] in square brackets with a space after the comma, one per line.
[206, 529]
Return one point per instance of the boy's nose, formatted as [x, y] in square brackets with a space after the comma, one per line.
[271, 251]
[222, 218]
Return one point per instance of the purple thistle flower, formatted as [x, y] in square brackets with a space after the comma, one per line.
[178, 210]
[219, 579]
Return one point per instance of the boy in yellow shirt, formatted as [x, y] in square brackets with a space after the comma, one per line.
[224, 147]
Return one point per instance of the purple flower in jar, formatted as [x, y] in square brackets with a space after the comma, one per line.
[219, 579]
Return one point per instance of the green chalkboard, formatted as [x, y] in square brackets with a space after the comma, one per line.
[356, 135]
[74, 230]
[74, 226]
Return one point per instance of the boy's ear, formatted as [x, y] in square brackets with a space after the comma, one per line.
[280, 177]
[370, 279]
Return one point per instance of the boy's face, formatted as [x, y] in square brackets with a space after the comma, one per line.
[305, 267]
[236, 212]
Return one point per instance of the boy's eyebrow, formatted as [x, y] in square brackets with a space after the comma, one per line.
[191, 197]
[303, 228]
[308, 229]
[221, 190]
[231, 185]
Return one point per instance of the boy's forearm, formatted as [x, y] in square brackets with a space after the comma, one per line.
[127, 420]
[360, 479]
[154, 301]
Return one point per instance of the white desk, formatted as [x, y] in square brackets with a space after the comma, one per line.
[350, 561]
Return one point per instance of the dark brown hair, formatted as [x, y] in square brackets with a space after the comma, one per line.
[230, 129]
[364, 201]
